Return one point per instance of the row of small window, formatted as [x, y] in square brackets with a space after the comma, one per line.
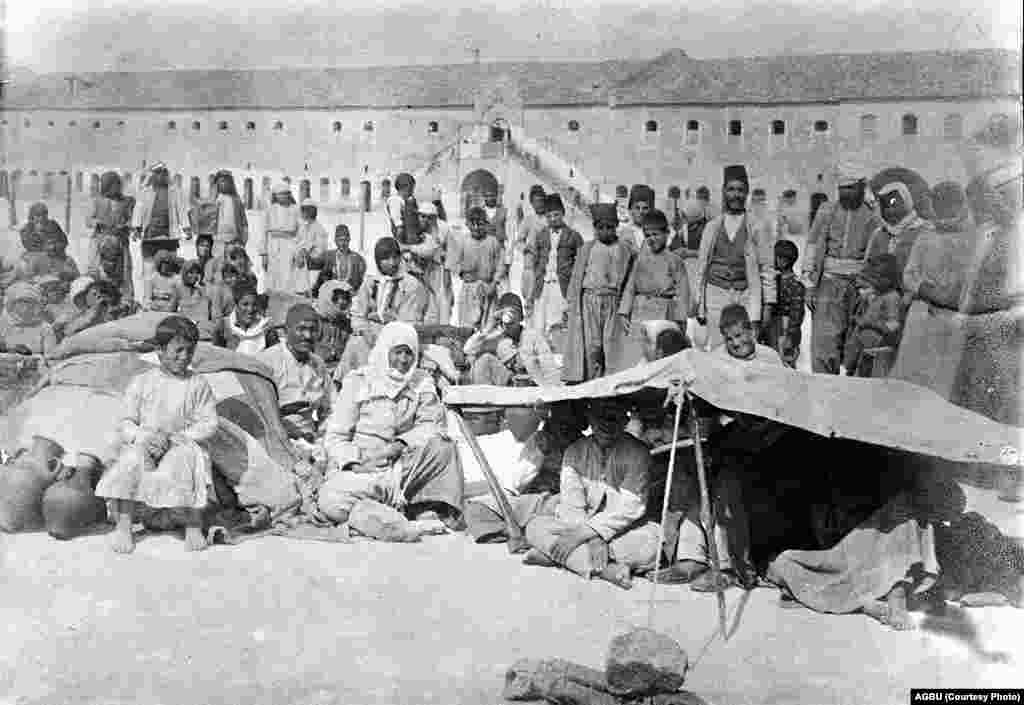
[369, 126]
[195, 184]
[952, 126]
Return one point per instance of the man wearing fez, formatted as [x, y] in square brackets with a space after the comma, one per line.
[735, 263]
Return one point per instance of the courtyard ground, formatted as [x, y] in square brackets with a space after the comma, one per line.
[290, 622]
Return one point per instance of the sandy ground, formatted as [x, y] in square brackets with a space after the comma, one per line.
[281, 621]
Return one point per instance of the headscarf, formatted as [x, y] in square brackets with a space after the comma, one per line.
[385, 248]
[23, 291]
[379, 370]
[325, 305]
[78, 288]
[911, 219]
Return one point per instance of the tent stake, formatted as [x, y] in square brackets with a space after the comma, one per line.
[707, 516]
[516, 539]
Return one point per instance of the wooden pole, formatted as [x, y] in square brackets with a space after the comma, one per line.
[664, 510]
[67, 207]
[516, 539]
[707, 516]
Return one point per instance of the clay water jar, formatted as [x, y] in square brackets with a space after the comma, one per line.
[70, 504]
[23, 482]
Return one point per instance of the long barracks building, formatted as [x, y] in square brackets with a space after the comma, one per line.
[672, 121]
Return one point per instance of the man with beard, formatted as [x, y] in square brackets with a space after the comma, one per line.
[299, 373]
[834, 255]
[735, 263]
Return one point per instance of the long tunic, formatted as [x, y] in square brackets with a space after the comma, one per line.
[657, 289]
[592, 311]
[183, 406]
[481, 263]
[279, 244]
[837, 241]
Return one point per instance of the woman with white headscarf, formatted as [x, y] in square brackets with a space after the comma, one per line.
[902, 224]
[385, 438]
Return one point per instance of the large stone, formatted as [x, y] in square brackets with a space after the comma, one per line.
[644, 662]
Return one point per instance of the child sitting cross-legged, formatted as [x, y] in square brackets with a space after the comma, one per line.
[169, 412]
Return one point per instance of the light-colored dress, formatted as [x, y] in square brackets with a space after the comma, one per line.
[181, 406]
[280, 244]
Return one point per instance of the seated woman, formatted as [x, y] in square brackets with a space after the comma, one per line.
[23, 328]
[385, 439]
[874, 565]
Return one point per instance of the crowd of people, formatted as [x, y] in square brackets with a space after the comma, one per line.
[359, 387]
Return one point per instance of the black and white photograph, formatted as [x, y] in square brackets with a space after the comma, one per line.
[579, 353]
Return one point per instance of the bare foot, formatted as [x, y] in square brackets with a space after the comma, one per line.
[194, 539]
[893, 611]
[617, 575]
[122, 540]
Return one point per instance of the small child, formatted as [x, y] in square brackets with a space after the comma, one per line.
[204, 255]
[168, 413]
[657, 290]
[782, 330]
[481, 266]
[194, 302]
[738, 336]
[110, 267]
[162, 290]
[878, 318]
[221, 294]
[333, 305]
[247, 329]
[23, 327]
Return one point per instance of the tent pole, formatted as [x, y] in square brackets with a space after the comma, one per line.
[664, 511]
[516, 538]
[707, 517]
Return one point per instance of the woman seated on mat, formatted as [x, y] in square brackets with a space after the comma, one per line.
[385, 438]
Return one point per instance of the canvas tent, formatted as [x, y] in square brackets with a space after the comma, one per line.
[884, 412]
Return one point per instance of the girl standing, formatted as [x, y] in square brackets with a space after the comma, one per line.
[111, 217]
[168, 413]
[280, 240]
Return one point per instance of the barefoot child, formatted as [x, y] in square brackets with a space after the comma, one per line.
[657, 290]
[878, 317]
[782, 330]
[481, 266]
[162, 290]
[168, 413]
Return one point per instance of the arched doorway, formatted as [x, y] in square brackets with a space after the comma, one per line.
[475, 186]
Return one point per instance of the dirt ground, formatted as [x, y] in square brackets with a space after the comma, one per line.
[289, 622]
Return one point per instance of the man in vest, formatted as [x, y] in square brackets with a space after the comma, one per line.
[735, 263]
[833, 256]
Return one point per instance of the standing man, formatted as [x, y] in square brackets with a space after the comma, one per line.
[735, 263]
[834, 255]
[533, 219]
[593, 297]
[641, 201]
[403, 212]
